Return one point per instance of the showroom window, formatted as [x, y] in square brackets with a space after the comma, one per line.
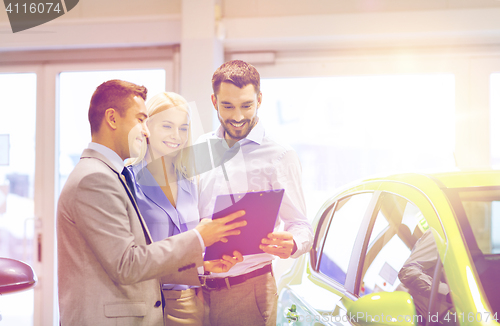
[346, 128]
[342, 233]
[495, 120]
[17, 174]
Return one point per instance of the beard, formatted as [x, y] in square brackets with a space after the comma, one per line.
[238, 134]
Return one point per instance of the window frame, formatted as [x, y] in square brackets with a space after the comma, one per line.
[461, 218]
[361, 270]
[322, 232]
[371, 223]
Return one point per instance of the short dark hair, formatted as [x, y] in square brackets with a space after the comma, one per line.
[116, 94]
[238, 73]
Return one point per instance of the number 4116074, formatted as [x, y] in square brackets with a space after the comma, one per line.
[33, 8]
[471, 316]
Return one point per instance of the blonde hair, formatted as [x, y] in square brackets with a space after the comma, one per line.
[183, 163]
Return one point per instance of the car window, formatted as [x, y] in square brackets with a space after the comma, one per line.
[482, 210]
[390, 245]
[484, 218]
[402, 255]
[341, 235]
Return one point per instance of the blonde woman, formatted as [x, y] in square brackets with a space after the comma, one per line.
[167, 195]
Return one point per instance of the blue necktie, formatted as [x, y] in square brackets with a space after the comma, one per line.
[130, 183]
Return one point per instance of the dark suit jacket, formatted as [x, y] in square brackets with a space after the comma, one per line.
[108, 269]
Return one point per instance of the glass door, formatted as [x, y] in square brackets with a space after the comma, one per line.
[74, 85]
[17, 172]
[43, 130]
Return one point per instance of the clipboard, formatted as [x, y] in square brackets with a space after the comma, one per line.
[261, 209]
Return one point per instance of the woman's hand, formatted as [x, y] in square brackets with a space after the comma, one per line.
[223, 265]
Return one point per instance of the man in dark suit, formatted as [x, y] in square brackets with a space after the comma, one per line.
[109, 269]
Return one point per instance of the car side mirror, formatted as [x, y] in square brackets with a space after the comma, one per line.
[382, 308]
[15, 276]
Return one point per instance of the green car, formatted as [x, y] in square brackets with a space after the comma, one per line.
[408, 249]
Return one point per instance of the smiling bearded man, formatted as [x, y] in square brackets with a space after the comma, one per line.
[252, 161]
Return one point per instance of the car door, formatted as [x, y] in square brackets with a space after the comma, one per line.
[395, 229]
[393, 257]
[326, 278]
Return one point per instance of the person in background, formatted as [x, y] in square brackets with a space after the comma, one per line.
[417, 276]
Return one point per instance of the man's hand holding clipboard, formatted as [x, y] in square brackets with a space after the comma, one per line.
[279, 243]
